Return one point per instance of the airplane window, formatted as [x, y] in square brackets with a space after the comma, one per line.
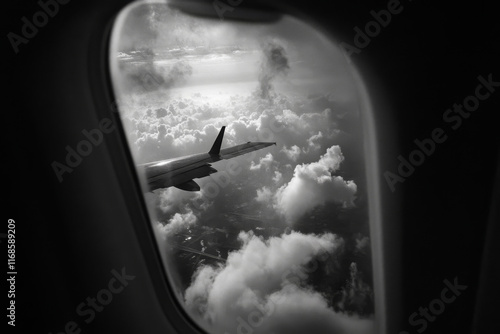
[248, 141]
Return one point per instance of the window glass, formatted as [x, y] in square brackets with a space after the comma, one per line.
[248, 141]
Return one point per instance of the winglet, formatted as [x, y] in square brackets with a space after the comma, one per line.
[215, 150]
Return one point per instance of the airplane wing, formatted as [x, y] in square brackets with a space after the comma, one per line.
[231, 152]
[180, 172]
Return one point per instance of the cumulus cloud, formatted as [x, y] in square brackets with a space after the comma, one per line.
[173, 211]
[313, 141]
[362, 244]
[313, 184]
[292, 153]
[262, 288]
[263, 162]
[277, 176]
[176, 224]
[172, 200]
[264, 195]
[161, 129]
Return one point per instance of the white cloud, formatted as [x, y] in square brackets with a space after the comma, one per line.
[313, 184]
[277, 176]
[292, 153]
[262, 289]
[263, 162]
[176, 224]
[313, 141]
[264, 195]
[159, 129]
[172, 200]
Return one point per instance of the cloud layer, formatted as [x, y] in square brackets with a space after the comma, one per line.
[263, 288]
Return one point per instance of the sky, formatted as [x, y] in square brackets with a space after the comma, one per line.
[281, 234]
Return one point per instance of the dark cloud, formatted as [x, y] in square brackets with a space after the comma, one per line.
[274, 62]
[148, 76]
[356, 297]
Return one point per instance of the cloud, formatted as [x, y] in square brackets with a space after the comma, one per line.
[173, 108]
[313, 184]
[262, 288]
[274, 62]
[277, 176]
[147, 76]
[162, 128]
[263, 162]
[172, 200]
[176, 224]
[362, 244]
[292, 153]
[313, 141]
[174, 210]
[264, 195]
[356, 296]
